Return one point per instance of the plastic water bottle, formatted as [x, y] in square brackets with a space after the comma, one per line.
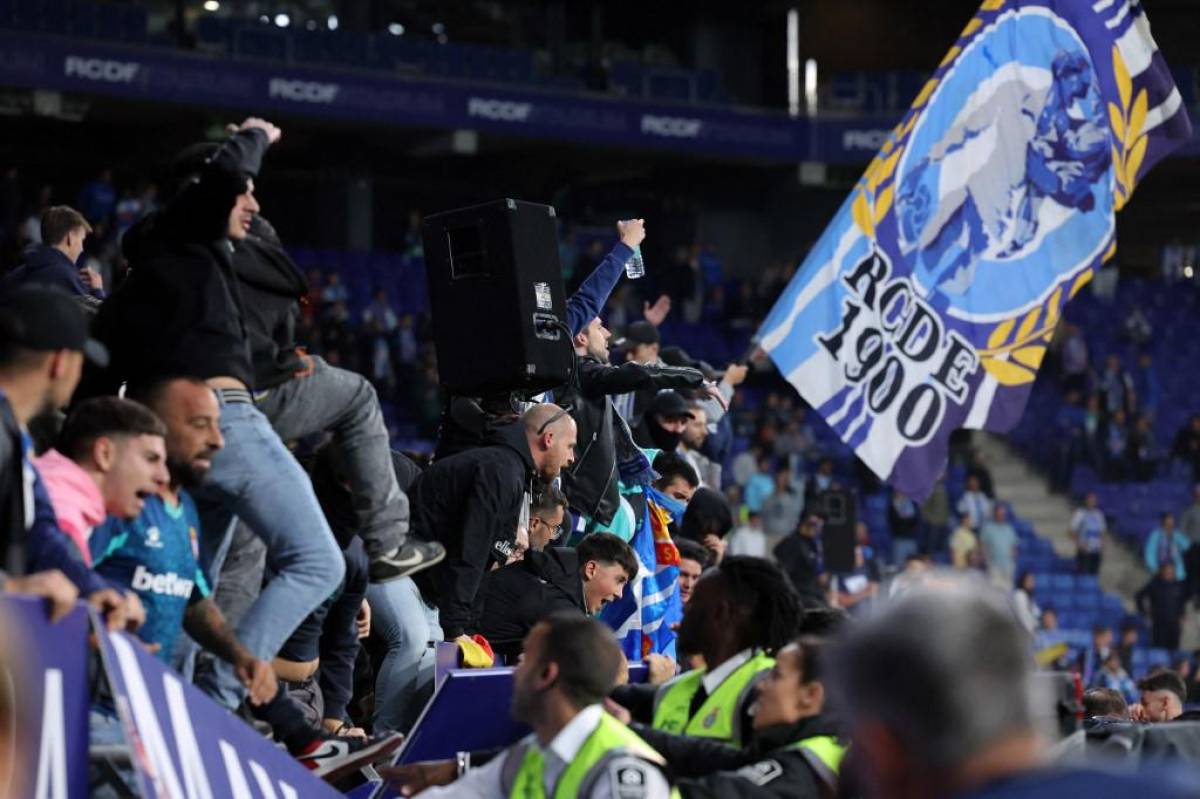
[635, 267]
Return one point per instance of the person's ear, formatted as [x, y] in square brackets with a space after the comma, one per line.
[589, 570]
[548, 675]
[812, 697]
[58, 361]
[104, 453]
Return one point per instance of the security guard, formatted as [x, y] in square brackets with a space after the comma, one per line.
[576, 749]
[795, 752]
[739, 614]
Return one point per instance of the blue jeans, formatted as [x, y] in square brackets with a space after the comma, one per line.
[255, 479]
[344, 403]
[409, 628]
[104, 729]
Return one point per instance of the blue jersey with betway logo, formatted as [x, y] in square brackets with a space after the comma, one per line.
[156, 555]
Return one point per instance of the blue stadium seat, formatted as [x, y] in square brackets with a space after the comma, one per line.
[1158, 657]
[1062, 582]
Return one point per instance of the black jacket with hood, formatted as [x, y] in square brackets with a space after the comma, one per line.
[272, 287]
[768, 768]
[179, 313]
[471, 503]
[518, 596]
[591, 484]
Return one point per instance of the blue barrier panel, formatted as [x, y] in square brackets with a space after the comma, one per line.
[185, 744]
[51, 693]
[469, 710]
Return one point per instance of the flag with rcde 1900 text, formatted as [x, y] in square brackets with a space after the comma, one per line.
[929, 302]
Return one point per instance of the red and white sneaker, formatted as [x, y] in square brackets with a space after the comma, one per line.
[331, 758]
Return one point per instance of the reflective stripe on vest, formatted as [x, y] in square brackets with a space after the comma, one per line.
[720, 716]
[523, 772]
[824, 755]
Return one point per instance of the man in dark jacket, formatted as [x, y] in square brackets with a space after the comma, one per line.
[1162, 600]
[303, 395]
[180, 313]
[803, 558]
[43, 340]
[581, 580]
[604, 439]
[472, 503]
[55, 261]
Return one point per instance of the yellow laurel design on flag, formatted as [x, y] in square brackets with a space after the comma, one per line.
[1014, 352]
[1127, 122]
[1080, 282]
[1000, 334]
[1053, 308]
[1007, 373]
[1027, 324]
[1030, 356]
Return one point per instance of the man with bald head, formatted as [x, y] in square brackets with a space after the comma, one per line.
[472, 503]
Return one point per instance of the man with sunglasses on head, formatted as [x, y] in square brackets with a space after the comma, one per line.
[473, 504]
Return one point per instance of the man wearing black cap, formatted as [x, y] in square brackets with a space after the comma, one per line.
[664, 422]
[43, 341]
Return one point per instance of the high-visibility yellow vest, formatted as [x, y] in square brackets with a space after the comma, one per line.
[522, 775]
[720, 716]
[824, 754]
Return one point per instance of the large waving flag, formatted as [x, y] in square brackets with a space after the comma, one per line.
[650, 607]
[929, 301]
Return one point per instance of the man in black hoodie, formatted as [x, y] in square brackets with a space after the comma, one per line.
[180, 313]
[560, 579]
[303, 395]
[472, 503]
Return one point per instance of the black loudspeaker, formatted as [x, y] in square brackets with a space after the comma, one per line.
[837, 534]
[496, 292]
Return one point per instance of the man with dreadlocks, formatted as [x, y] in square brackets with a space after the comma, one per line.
[740, 614]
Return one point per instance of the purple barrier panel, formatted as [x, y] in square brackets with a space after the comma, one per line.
[51, 697]
[183, 744]
[469, 711]
[448, 659]
[363, 791]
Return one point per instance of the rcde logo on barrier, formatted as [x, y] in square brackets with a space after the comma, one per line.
[673, 127]
[864, 139]
[503, 110]
[101, 69]
[302, 91]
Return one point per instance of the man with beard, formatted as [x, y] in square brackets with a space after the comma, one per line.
[157, 556]
[156, 553]
[606, 448]
[576, 749]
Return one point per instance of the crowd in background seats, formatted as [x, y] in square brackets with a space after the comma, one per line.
[284, 564]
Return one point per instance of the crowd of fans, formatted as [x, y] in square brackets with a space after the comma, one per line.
[213, 476]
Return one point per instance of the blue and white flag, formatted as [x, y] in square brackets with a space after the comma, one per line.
[929, 301]
[650, 607]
